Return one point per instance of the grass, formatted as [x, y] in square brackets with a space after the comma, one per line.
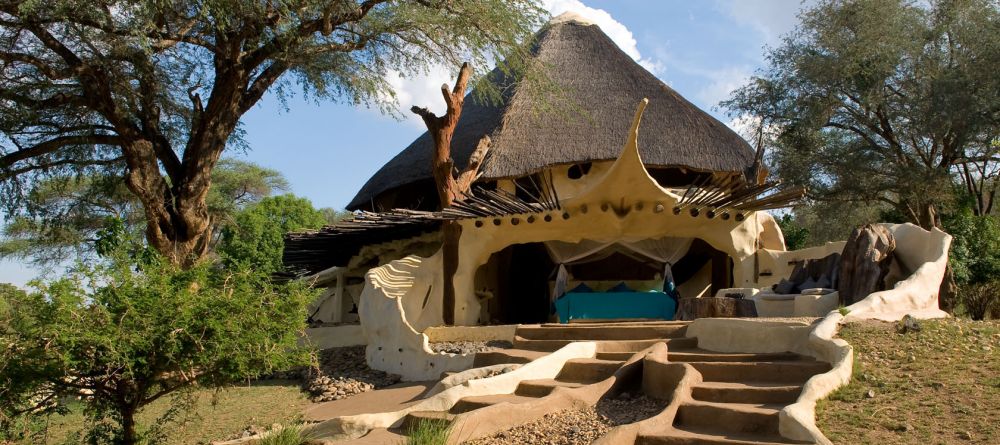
[939, 385]
[290, 435]
[429, 432]
[216, 416]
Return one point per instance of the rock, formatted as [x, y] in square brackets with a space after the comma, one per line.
[870, 394]
[865, 262]
[469, 347]
[965, 435]
[908, 324]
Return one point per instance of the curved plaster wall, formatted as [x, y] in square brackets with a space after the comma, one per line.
[923, 252]
[395, 309]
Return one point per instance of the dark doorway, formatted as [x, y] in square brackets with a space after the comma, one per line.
[698, 255]
[518, 276]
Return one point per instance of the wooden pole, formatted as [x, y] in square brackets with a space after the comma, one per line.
[449, 187]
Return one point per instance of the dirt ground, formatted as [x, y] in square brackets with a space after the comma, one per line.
[938, 385]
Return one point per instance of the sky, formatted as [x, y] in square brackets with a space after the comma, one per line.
[702, 49]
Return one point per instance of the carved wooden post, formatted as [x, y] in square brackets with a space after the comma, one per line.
[450, 188]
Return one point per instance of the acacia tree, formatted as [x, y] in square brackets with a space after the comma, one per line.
[160, 87]
[888, 102]
[63, 217]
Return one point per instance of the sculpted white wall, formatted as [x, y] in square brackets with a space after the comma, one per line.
[923, 252]
[394, 312]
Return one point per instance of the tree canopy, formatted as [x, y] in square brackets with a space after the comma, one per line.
[62, 217]
[887, 102]
[158, 88]
[256, 238]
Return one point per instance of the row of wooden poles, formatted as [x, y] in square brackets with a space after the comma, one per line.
[730, 197]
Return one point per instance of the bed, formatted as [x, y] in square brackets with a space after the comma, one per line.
[575, 305]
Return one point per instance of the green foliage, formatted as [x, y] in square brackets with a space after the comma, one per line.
[429, 432]
[65, 217]
[256, 239]
[795, 234]
[980, 300]
[975, 247]
[161, 86]
[123, 335]
[889, 102]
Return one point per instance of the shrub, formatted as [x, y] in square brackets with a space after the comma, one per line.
[981, 299]
[429, 432]
[121, 335]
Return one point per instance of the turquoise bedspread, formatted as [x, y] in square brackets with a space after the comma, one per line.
[605, 305]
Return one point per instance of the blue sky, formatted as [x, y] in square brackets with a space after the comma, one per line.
[701, 48]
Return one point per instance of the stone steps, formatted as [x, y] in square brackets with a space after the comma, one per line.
[637, 331]
[624, 345]
[697, 436]
[588, 370]
[796, 372]
[473, 403]
[543, 387]
[746, 392]
[416, 417]
[729, 417]
[504, 356]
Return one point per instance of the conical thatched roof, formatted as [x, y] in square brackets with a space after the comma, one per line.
[604, 85]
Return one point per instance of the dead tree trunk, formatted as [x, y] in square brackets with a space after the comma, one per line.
[450, 187]
[865, 262]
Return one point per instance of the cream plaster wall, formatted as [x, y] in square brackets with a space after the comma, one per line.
[779, 263]
[926, 254]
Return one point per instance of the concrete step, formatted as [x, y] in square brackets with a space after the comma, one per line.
[467, 404]
[624, 331]
[588, 370]
[414, 418]
[796, 372]
[707, 436]
[729, 417]
[746, 392]
[702, 355]
[504, 356]
[606, 345]
[543, 387]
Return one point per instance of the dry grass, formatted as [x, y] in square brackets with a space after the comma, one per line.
[233, 410]
[938, 385]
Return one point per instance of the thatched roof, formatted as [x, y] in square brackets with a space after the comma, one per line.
[604, 85]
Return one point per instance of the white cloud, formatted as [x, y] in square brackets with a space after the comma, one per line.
[424, 90]
[771, 18]
[722, 82]
[616, 30]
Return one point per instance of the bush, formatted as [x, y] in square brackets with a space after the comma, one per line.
[981, 299]
[121, 335]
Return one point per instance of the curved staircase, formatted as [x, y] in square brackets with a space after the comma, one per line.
[735, 398]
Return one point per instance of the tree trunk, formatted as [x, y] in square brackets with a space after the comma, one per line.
[712, 307]
[178, 224]
[450, 188]
[129, 435]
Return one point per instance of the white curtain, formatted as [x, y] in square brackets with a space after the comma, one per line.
[666, 250]
[564, 253]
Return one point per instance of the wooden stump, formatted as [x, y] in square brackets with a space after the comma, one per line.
[712, 307]
[865, 262]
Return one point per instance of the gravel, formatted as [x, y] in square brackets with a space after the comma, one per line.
[469, 347]
[342, 373]
[578, 427]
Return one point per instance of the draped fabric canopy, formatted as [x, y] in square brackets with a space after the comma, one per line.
[666, 250]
